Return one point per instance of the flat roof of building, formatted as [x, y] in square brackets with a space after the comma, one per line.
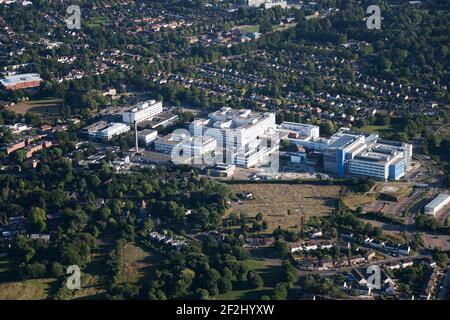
[142, 105]
[19, 78]
[151, 157]
[304, 125]
[372, 156]
[146, 132]
[198, 140]
[158, 120]
[227, 118]
[223, 167]
[391, 143]
[113, 126]
[96, 126]
[341, 142]
[438, 200]
[357, 146]
[171, 139]
[386, 149]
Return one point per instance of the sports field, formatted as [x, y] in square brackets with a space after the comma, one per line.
[49, 107]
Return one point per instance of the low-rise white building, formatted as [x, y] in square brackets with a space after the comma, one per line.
[222, 170]
[267, 3]
[147, 136]
[167, 143]
[21, 81]
[306, 131]
[199, 146]
[112, 130]
[16, 128]
[437, 204]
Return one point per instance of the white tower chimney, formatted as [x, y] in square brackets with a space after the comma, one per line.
[136, 136]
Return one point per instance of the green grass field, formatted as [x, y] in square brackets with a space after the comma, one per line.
[284, 27]
[44, 107]
[249, 28]
[389, 128]
[36, 289]
[137, 263]
[355, 200]
[396, 191]
[98, 21]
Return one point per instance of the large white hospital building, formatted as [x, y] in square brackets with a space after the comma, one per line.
[146, 110]
[244, 138]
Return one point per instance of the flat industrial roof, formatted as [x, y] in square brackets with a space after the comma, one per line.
[142, 106]
[146, 132]
[296, 124]
[342, 141]
[171, 139]
[438, 200]
[20, 78]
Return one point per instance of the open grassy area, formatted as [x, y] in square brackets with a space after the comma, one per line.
[389, 128]
[265, 262]
[36, 289]
[137, 268]
[249, 28]
[284, 27]
[92, 282]
[444, 130]
[98, 21]
[286, 204]
[393, 191]
[355, 200]
[49, 107]
[137, 263]
[245, 294]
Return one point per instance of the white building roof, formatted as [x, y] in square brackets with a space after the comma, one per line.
[113, 128]
[232, 118]
[436, 202]
[142, 106]
[20, 78]
[147, 132]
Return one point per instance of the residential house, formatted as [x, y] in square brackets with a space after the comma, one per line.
[369, 255]
[356, 260]
[359, 278]
[326, 264]
[341, 262]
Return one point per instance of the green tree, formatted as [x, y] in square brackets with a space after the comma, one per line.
[280, 291]
[19, 156]
[282, 248]
[255, 280]
[37, 220]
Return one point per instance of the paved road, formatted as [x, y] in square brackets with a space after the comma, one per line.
[435, 181]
